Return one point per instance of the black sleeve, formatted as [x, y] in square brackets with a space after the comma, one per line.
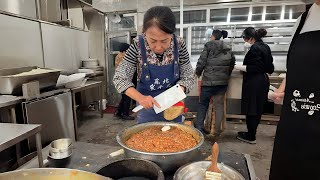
[202, 61]
[232, 62]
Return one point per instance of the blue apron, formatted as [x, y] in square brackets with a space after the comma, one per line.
[155, 80]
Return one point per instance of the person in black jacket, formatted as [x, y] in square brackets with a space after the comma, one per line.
[216, 63]
[257, 63]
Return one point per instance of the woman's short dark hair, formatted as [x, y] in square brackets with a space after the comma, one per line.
[162, 17]
[123, 47]
[217, 34]
[224, 34]
[250, 32]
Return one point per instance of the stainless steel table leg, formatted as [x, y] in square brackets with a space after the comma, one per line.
[18, 148]
[39, 149]
[74, 108]
[13, 115]
[100, 95]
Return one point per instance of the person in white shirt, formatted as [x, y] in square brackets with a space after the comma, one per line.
[296, 152]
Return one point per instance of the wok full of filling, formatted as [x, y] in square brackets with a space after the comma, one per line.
[154, 140]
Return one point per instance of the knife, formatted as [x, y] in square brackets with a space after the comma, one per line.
[166, 99]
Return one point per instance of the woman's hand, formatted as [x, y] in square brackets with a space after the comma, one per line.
[147, 102]
[183, 88]
[278, 94]
[276, 97]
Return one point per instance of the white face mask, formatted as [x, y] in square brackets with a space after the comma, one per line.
[247, 45]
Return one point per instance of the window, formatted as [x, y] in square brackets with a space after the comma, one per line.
[219, 15]
[239, 14]
[293, 11]
[184, 34]
[200, 35]
[126, 23]
[177, 15]
[257, 13]
[273, 13]
[198, 16]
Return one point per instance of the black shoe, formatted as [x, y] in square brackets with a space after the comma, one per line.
[243, 136]
[241, 133]
[117, 115]
[125, 117]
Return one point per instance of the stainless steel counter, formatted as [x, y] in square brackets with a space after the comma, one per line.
[8, 100]
[12, 134]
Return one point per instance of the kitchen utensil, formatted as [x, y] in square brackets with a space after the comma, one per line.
[50, 174]
[61, 144]
[60, 149]
[166, 99]
[196, 171]
[132, 169]
[59, 160]
[174, 111]
[167, 161]
[11, 80]
[213, 172]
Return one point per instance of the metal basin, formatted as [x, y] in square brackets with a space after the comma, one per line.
[168, 162]
[10, 84]
[196, 171]
[50, 174]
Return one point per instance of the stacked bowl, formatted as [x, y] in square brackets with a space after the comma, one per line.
[60, 152]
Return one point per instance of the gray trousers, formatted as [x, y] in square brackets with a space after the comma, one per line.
[218, 95]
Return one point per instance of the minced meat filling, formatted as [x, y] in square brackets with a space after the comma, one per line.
[155, 140]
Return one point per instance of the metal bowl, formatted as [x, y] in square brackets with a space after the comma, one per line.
[59, 154]
[168, 162]
[196, 171]
[132, 169]
[61, 144]
[50, 174]
[60, 160]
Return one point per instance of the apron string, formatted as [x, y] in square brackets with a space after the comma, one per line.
[301, 24]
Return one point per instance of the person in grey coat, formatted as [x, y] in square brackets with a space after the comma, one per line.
[216, 63]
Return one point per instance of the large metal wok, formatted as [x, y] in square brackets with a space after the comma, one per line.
[50, 174]
[167, 161]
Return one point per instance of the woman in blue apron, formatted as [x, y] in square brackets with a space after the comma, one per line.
[161, 60]
[296, 153]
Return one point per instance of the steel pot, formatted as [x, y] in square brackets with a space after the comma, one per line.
[168, 162]
[50, 174]
[132, 169]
